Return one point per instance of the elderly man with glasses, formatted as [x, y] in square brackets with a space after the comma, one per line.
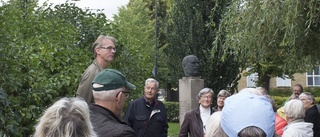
[110, 90]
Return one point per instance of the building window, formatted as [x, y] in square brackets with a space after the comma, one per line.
[313, 77]
[286, 82]
[251, 79]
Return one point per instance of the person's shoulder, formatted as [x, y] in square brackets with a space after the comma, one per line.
[193, 111]
[313, 111]
[160, 102]
[138, 100]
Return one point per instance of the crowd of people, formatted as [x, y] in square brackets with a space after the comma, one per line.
[97, 110]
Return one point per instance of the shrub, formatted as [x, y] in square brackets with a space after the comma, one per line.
[172, 111]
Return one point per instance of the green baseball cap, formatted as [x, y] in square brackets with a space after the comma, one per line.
[110, 79]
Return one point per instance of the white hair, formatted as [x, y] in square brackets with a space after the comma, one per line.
[106, 95]
[67, 117]
[152, 80]
[294, 109]
[309, 96]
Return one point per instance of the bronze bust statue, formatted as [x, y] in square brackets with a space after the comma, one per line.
[190, 66]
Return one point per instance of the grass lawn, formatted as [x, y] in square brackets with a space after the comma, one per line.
[173, 130]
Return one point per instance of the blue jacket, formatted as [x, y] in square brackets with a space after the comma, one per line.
[147, 120]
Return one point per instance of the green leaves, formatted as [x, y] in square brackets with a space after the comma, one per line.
[44, 51]
[191, 29]
[271, 34]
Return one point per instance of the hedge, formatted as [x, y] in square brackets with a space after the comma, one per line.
[172, 111]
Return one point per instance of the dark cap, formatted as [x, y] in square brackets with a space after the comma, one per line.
[110, 79]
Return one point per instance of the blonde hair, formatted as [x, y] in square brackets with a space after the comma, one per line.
[68, 117]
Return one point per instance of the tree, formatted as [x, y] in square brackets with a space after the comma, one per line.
[134, 31]
[273, 38]
[191, 29]
[42, 59]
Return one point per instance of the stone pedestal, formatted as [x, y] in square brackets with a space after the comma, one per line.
[189, 88]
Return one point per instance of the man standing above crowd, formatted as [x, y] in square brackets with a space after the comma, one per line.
[104, 50]
[110, 90]
[147, 115]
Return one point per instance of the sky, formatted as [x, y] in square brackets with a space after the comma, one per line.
[110, 6]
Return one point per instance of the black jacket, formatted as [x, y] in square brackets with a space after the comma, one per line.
[313, 116]
[147, 120]
[106, 124]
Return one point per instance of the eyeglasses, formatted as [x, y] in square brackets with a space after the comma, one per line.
[206, 97]
[109, 48]
[126, 94]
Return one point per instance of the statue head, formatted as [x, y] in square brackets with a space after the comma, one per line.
[190, 66]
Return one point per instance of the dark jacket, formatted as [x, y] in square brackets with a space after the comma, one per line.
[192, 124]
[313, 116]
[147, 120]
[106, 124]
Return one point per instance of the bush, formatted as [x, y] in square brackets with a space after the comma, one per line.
[280, 95]
[282, 92]
[172, 111]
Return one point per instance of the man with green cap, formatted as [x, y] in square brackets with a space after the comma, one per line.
[110, 90]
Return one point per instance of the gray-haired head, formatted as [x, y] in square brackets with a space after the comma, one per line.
[151, 80]
[309, 96]
[204, 91]
[294, 109]
[223, 93]
[65, 118]
[262, 90]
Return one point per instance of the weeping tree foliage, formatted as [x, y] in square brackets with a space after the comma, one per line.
[191, 29]
[42, 58]
[273, 38]
[134, 31]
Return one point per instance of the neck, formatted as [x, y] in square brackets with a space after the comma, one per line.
[102, 63]
[201, 107]
[220, 108]
[309, 106]
[150, 100]
[109, 105]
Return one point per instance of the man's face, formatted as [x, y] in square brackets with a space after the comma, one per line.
[150, 90]
[106, 51]
[296, 91]
[192, 66]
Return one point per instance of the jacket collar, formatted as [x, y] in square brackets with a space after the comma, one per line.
[96, 63]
